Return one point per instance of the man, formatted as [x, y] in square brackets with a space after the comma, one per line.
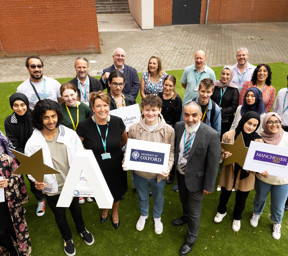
[116, 82]
[243, 70]
[131, 77]
[59, 145]
[84, 83]
[194, 74]
[211, 111]
[37, 86]
[197, 154]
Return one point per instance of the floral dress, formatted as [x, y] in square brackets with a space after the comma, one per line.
[151, 88]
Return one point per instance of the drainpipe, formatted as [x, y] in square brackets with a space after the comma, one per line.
[207, 9]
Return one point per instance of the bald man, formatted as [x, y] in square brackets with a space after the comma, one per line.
[194, 74]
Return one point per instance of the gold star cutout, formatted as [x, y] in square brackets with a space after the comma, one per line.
[33, 165]
[238, 150]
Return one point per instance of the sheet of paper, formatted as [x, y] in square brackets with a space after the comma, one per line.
[147, 156]
[130, 115]
[2, 195]
[265, 157]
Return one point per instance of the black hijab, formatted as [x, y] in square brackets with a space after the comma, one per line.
[22, 97]
[248, 137]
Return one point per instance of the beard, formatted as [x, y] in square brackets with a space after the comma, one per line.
[191, 128]
[37, 77]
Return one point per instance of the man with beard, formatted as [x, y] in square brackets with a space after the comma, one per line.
[243, 70]
[84, 83]
[197, 155]
[37, 86]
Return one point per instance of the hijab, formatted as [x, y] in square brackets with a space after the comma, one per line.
[22, 97]
[248, 137]
[271, 138]
[220, 84]
[258, 106]
[4, 145]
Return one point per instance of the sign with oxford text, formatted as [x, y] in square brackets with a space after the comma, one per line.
[265, 157]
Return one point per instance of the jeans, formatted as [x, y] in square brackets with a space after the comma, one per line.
[278, 198]
[142, 186]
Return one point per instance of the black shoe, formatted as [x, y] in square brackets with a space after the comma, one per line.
[102, 219]
[185, 249]
[286, 207]
[87, 237]
[69, 248]
[170, 181]
[116, 225]
[179, 221]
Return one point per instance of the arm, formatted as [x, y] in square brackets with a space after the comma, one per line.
[11, 135]
[271, 100]
[135, 86]
[184, 85]
[142, 88]
[217, 121]
[124, 138]
[236, 119]
[245, 87]
[276, 107]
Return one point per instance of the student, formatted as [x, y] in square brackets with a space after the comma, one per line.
[59, 144]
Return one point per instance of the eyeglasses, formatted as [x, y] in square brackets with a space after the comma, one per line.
[116, 84]
[275, 123]
[36, 66]
[241, 55]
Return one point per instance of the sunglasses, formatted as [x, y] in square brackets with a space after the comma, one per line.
[36, 66]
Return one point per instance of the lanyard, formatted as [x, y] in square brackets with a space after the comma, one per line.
[106, 134]
[284, 109]
[74, 127]
[221, 94]
[240, 78]
[263, 88]
[44, 88]
[197, 78]
[188, 146]
[203, 117]
[153, 85]
[123, 101]
[79, 86]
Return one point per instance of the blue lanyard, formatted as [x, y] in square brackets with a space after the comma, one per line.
[263, 88]
[44, 88]
[103, 141]
[188, 146]
[86, 84]
[153, 85]
[221, 94]
[199, 77]
[242, 76]
[284, 109]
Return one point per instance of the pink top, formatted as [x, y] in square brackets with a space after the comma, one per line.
[268, 94]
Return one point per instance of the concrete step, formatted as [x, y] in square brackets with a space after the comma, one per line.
[112, 6]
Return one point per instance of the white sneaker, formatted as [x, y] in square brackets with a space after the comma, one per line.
[254, 220]
[141, 223]
[81, 200]
[40, 211]
[89, 199]
[219, 217]
[276, 231]
[158, 225]
[236, 225]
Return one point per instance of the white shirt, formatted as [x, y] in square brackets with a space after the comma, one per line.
[239, 79]
[278, 105]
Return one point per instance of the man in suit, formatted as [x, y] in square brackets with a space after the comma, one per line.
[132, 85]
[84, 83]
[197, 154]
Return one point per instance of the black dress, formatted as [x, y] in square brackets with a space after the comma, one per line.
[111, 168]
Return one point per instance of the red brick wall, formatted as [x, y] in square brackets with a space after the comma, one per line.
[163, 12]
[236, 11]
[47, 27]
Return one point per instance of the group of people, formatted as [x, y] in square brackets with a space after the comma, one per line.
[65, 119]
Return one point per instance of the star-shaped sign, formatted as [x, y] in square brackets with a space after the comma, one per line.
[238, 150]
[33, 165]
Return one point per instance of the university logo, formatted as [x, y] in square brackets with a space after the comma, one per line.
[135, 154]
[270, 158]
[147, 156]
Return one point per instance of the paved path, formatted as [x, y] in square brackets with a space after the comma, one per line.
[176, 45]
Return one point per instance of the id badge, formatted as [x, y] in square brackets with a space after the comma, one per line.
[195, 89]
[105, 156]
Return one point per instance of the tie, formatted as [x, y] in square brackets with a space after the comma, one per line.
[186, 152]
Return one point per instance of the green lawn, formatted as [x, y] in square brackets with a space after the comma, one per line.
[214, 239]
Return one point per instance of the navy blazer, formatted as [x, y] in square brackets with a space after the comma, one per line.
[132, 84]
[203, 160]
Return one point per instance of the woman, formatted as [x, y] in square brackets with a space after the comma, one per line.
[106, 135]
[261, 79]
[13, 225]
[152, 81]
[233, 176]
[18, 128]
[172, 102]
[152, 127]
[253, 102]
[278, 186]
[226, 95]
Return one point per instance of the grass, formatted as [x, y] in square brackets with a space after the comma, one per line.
[214, 239]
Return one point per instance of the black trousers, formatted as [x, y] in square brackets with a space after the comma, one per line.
[37, 193]
[60, 216]
[192, 204]
[240, 201]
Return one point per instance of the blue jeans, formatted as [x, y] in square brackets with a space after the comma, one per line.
[142, 186]
[278, 198]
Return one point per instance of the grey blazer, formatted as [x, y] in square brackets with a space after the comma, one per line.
[203, 160]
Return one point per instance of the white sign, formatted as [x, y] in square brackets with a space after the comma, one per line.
[265, 157]
[85, 179]
[2, 195]
[130, 115]
[147, 156]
